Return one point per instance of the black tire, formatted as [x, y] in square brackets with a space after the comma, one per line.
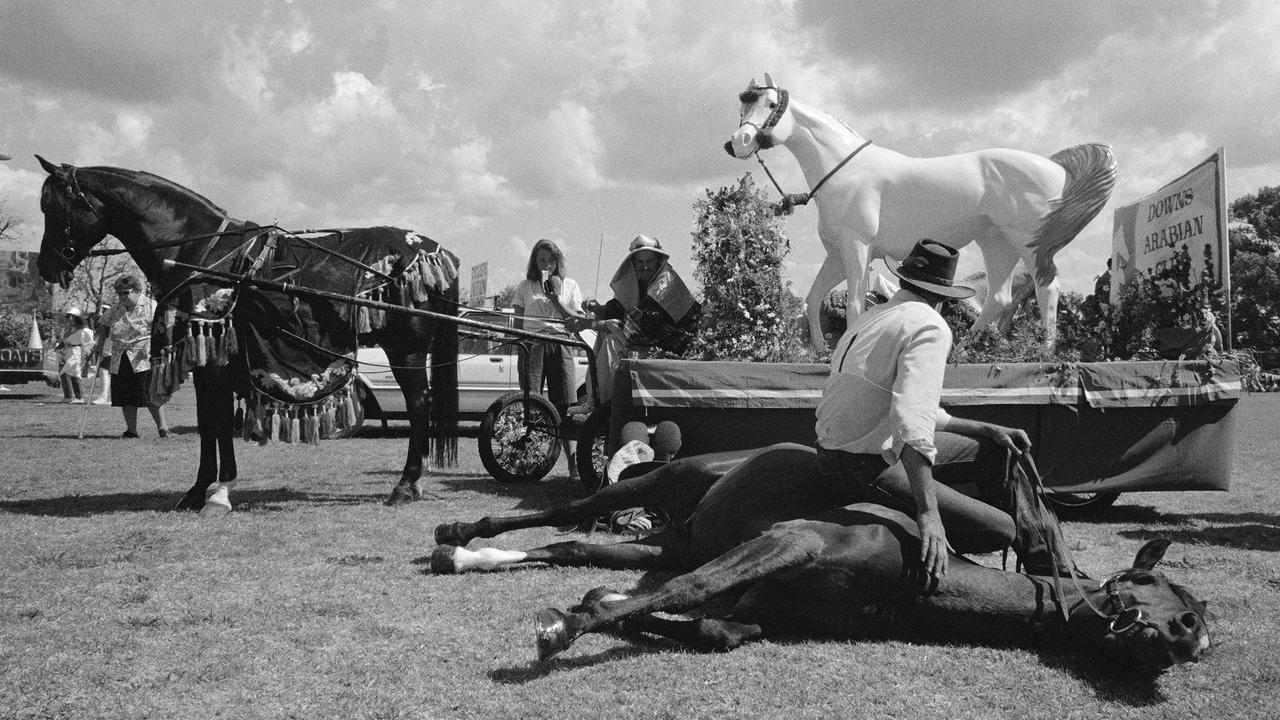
[1074, 505]
[593, 448]
[520, 438]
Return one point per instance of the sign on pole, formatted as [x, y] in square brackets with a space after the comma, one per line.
[1189, 213]
[479, 282]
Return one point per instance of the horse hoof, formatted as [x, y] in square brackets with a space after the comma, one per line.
[451, 534]
[598, 595]
[551, 632]
[214, 510]
[401, 495]
[442, 560]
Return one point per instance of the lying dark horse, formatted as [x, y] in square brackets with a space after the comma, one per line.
[158, 220]
[753, 528]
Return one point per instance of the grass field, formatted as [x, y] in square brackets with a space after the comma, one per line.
[311, 601]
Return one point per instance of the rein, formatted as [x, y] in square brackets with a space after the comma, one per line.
[791, 200]
[1122, 622]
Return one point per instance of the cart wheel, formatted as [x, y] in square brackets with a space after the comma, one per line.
[1073, 505]
[593, 448]
[520, 438]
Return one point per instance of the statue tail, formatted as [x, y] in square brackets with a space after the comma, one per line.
[1091, 176]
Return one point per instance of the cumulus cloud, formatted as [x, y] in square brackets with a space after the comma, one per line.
[482, 124]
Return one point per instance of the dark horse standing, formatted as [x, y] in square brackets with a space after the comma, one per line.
[158, 220]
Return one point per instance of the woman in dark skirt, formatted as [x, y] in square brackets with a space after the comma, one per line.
[129, 327]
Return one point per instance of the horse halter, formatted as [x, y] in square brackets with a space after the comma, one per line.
[68, 252]
[775, 116]
[1126, 620]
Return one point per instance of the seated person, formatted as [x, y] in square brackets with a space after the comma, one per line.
[651, 307]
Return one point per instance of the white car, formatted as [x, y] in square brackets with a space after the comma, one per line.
[486, 370]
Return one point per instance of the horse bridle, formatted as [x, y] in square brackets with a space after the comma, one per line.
[68, 251]
[789, 200]
[775, 116]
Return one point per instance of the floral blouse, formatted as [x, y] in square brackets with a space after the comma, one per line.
[130, 334]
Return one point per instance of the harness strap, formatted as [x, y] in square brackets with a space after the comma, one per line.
[791, 200]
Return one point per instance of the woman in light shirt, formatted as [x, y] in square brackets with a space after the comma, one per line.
[547, 293]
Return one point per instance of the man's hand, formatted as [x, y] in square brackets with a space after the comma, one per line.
[933, 544]
[1015, 439]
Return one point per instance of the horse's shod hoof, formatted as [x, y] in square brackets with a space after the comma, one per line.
[214, 510]
[401, 495]
[451, 534]
[595, 596]
[442, 560]
[551, 632]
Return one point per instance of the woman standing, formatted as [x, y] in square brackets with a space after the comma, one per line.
[129, 329]
[77, 338]
[547, 293]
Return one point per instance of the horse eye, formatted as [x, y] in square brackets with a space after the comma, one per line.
[1142, 580]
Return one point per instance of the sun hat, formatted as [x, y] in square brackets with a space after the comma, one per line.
[931, 266]
[644, 242]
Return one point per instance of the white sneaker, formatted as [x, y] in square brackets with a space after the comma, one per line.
[76, 401]
[102, 401]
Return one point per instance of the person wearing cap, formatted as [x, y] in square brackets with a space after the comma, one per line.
[883, 436]
[543, 297]
[651, 307]
[72, 351]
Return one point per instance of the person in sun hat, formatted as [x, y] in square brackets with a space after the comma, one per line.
[651, 307]
[883, 436]
[73, 352]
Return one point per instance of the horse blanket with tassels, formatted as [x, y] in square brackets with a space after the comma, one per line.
[297, 353]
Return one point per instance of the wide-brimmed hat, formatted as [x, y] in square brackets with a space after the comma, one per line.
[644, 242]
[74, 312]
[931, 266]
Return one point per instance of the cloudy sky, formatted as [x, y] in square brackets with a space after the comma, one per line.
[488, 125]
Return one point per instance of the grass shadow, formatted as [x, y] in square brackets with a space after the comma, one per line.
[272, 500]
[1239, 537]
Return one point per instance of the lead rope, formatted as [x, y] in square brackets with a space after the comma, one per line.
[1062, 552]
[791, 200]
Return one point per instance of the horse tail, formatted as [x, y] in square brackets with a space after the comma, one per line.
[1091, 176]
[444, 377]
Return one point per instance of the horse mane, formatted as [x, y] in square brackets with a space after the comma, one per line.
[161, 183]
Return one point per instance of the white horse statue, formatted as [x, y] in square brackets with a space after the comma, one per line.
[874, 202]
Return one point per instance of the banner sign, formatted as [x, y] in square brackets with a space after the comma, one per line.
[1187, 214]
[479, 283]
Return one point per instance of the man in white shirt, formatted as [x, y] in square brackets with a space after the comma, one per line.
[882, 435]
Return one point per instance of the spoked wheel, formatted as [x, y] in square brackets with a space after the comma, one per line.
[1071, 505]
[520, 438]
[593, 447]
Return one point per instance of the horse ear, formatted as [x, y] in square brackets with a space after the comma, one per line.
[768, 81]
[49, 167]
[752, 85]
[1151, 553]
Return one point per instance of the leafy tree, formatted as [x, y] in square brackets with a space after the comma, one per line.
[1255, 287]
[738, 248]
[1262, 211]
